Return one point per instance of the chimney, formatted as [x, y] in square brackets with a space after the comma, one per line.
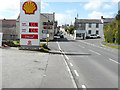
[102, 17]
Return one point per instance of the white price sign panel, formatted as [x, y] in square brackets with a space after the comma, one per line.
[30, 22]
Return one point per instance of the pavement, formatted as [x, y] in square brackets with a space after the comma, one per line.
[34, 69]
[56, 75]
[22, 69]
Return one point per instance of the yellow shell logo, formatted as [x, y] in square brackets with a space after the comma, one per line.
[29, 7]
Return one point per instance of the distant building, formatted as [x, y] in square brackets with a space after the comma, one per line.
[8, 28]
[85, 27]
[106, 21]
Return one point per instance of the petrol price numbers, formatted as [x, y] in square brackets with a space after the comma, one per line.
[33, 30]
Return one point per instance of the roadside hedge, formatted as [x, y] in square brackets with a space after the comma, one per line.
[112, 31]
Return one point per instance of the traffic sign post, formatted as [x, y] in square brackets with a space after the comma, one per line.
[47, 39]
[30, 23]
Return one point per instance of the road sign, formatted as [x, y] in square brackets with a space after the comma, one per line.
[47, 39]
[30, 23]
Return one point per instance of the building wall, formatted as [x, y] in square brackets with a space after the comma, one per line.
[94, 29]
[0, 25]
[45, 17]
[8, 29]
[18, 28]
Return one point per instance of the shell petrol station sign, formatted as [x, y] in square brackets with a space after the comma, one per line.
[30, 23]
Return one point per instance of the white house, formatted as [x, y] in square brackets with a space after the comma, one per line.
[85, 27]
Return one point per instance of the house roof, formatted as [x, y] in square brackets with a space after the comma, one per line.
[88, 20]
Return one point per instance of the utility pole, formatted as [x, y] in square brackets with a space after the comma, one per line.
[77, 15]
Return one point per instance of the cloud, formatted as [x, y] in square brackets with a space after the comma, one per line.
[106, 6]
[10, 9]
[44, 5]
[2, 17]
[93, 5]
[63, 18]
[97, 4]
[79, 0]
[116, 1]
[97, 15]
[8, 5]
[71, 11]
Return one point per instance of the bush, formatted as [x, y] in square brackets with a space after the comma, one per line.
[112, 32]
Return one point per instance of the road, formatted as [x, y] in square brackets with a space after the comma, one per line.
[69, 64]
[92, 65]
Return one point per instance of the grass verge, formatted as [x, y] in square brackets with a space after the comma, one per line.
[112, 46]
[16, 42]
[44, 47]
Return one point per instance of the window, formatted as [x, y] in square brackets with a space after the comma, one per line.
[90, 25]
[97, 32]
[80, 25]
[89, 31]
[97, 25]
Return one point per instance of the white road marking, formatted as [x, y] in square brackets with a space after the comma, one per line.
[68, 68]
[84, 87]
[81, 46]
[59, 46]
[95, 52]
[76, 73]
[66, 57]
[71, 76]
[71, 64]
[114, 61]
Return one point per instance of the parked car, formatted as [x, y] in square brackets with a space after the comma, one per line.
[61, 34]
[93, 36]
[98, 36]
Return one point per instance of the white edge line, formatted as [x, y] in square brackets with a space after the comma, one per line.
[59, 46]
[66, 57]
[76, 73]
[114, 61]
[71, 76]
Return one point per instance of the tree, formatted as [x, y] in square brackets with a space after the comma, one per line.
[112, 31]
[66, 29]
[71, 30]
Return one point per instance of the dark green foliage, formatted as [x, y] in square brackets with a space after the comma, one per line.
[112, 31]
[71, 30]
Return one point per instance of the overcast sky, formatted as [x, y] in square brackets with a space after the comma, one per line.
[65, 10]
